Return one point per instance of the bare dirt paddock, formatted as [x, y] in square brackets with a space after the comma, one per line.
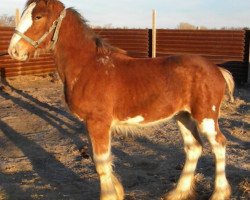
[40, 143]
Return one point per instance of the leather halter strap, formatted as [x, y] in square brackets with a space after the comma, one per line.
[55, 26]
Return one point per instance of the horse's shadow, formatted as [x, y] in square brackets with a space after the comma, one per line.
[50, 171]
[43, 110]
[241, 125]
[244, 126]
[164, 167]
[161, 168]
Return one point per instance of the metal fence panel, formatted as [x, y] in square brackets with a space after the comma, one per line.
[227, 48]
[223, 47]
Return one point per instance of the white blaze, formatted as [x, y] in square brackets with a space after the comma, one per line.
[24, 24]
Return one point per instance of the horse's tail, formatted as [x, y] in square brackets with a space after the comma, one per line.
[229, 81]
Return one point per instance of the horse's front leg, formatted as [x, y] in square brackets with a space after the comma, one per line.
[100, 136]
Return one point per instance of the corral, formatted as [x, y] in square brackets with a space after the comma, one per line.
[44, 150]
[227, 48]
[40, 143]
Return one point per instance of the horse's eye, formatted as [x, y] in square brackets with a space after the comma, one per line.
[38, 17]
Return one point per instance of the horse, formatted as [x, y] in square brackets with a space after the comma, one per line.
[110, 91]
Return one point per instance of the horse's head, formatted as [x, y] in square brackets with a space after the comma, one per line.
[38, 28]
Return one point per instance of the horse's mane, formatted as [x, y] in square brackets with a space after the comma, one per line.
[105, 48]
[102, 47]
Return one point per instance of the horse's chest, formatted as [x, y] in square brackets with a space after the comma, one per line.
[89, 98]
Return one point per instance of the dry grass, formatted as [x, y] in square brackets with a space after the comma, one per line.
[244, 187]
[39, 143]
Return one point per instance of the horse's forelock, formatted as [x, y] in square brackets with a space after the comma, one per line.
[30, 2]
[47, 2]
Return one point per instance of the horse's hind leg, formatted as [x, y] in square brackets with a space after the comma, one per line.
[210, 128]
[99, 133]
[193, 149]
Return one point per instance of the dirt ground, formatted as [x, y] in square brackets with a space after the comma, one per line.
[44, 152]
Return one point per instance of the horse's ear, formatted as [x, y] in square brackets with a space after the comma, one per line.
[28, 3]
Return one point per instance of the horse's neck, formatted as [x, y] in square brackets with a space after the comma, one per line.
[74, 50]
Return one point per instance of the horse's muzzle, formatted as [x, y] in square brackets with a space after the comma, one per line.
[18, 53]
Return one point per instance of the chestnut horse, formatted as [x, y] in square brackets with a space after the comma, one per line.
[111, 91]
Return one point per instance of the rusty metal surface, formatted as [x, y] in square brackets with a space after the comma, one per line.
[3, 53]
[10, 67]
[134, 41]
[225, 48]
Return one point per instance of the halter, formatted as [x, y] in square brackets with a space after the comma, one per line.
[55, 26]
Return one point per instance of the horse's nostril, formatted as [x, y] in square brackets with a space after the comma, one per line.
[15, 52]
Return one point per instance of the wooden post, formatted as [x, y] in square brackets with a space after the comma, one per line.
[247, 53]
[2, 78]
[17, 17]
[154, 34]
[248, 78]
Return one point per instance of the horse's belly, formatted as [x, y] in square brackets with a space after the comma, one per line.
[137, 125]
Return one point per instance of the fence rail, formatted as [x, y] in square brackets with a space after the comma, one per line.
[225, 48]
[229, 49]
[134, 41]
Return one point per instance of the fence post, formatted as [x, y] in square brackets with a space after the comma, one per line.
[154, 34]
[248, 56]
[2, 78]
[17, 17]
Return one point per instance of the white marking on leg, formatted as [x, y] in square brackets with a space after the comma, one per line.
[208, 127]
[193, 151]
[187, 177]
[222, 187]
[111, 188]
[102, 157]
[24, 24]
[214, 108]
[104, 169]
[220, 179]
[186, 180]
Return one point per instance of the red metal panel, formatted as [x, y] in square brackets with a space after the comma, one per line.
[227, 48]
[222, 47]
[134, 41]
[43, 64]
